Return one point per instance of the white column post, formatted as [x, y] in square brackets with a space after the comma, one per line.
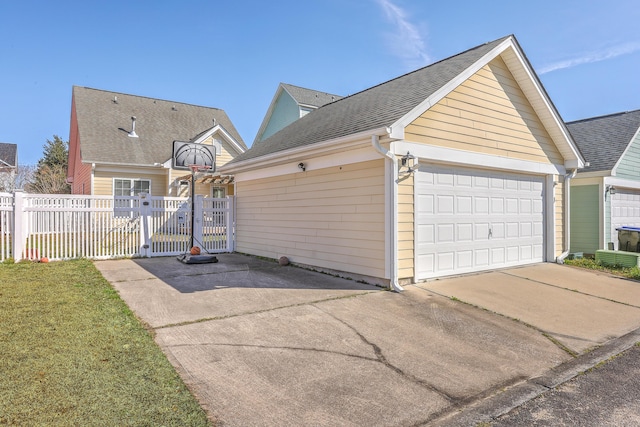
[144, 206]
[19, 226]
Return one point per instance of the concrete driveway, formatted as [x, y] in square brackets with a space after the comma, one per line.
[261, 344]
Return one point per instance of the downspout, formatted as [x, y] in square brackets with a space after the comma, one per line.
[567, 222]
[393, 220]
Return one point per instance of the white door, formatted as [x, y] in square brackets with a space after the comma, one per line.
[625, 210]
[471, 220]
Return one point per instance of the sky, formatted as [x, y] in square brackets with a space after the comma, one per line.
[233, 54]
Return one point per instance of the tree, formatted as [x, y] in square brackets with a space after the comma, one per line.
[18, 179]
[51, 174]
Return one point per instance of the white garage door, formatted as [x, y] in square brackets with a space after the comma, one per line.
[472, 220]
[625, 210]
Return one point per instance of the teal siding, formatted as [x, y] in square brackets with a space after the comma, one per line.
[585, 219]
[285, 111]
[629, 165]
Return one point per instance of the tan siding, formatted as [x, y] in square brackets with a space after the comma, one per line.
[488, 113]
[405, 227]
[103, 182]
[559, 218]
[330, 218]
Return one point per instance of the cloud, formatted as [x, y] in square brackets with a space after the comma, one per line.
[590, 57]
[405, 41]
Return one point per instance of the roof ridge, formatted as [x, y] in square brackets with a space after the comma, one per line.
[148, 97]
[306, 88]
[423, 68]
[604, 116]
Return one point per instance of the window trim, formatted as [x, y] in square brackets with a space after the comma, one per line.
[131, 186]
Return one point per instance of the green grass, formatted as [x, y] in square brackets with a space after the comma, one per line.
[72, 353]
[591, 264]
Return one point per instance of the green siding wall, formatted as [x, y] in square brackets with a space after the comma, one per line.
[629, 166]
[285, 111]
[584, 219]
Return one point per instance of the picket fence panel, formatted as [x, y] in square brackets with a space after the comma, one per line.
[57, 227]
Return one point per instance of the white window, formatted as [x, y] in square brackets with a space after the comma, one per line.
[131, 187]
[218, 192]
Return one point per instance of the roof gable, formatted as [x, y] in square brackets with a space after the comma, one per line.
[105, 121]
[8, 155]
[301, 97]
[396, 103]
[603, 140]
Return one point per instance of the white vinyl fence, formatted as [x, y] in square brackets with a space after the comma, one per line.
[33, 226]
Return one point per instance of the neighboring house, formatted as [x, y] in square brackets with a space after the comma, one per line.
[340, 190]
[606, 194]
[8, 165]
[8, 157]
[289, 104]
[122, 144]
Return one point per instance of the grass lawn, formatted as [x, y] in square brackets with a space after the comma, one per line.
[72, 353]
[591, 264]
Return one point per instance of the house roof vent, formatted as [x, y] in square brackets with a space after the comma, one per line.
[133, 133]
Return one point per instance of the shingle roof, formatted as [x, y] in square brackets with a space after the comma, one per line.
[602, 140]
[373, 108]
[309, 96]
[8, 154]
[104, 120]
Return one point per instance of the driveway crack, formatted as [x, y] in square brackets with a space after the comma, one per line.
[381, 358]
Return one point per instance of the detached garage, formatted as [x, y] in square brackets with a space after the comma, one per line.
[454, 168]
[606, 193]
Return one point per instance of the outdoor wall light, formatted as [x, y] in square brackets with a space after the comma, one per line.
[409, 161]
[302, 166]
[610, 189]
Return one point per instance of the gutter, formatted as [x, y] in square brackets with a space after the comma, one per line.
[567, 226]
[391, 205]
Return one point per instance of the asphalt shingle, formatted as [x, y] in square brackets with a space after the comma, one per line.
[602, 140]
[8, 154]
[104, 121]
[372, 108]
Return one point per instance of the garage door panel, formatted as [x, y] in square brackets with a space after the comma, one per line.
[625, 211]
[481, 220]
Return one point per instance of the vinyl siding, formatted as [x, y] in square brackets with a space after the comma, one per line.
[488, 113]
[629, 165]
[285, 112]
[331, 218]
[585, 219]
[103, 182]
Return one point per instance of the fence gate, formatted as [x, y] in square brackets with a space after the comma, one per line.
[98, 227]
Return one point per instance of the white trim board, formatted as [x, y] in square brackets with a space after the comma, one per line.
[478, 160]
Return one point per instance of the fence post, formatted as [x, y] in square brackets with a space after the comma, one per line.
[198, 215]
[145, 237]
[18, 225]
[231, 223]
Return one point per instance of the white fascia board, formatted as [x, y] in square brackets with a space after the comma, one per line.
[430, 153]
[344, 157]
[620, 182]
[269, 112]
[226, 135]
[556, 121]
[615, 167]
[130, 169]
[578, 180]
[299, 153]
[397, 129]
[592, 174]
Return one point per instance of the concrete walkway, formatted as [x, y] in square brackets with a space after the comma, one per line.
[261, 344]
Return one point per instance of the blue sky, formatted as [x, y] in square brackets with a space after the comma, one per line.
[232, 55]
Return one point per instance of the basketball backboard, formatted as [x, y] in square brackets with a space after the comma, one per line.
[187, 154]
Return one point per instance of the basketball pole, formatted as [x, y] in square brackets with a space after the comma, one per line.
[193, 203]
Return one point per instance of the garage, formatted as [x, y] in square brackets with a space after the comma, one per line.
[625, 210]
[470, 220]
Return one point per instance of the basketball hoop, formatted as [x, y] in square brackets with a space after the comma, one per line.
[198, 168]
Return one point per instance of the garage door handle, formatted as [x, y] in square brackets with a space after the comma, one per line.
[490, 232]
